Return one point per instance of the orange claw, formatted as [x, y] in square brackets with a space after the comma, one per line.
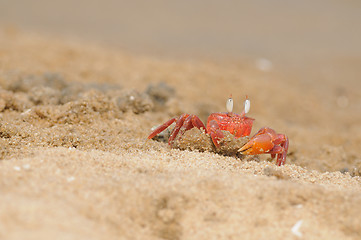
[257, 145]
[266, 140]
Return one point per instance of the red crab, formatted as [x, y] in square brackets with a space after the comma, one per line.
[266, 140]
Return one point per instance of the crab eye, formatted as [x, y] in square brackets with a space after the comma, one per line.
[247, 105]
[229, 105]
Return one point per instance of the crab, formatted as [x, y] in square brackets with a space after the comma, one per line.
[266, 140]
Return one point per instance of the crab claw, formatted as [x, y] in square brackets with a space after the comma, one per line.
[267, 141]
[257, 145]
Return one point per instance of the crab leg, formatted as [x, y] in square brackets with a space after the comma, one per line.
[177, 127]
[190, 122]
[187, 124]
[161, 128]
[280, 149]
[198, 123]
[281, 158]
[215, 132]
[184, 123]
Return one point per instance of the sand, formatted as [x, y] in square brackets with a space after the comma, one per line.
[76, 162]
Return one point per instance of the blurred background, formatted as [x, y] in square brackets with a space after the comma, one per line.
[297, 33]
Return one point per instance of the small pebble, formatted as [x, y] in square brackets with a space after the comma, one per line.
[26, 166]
[70, 179]
[296, 228]
[17, 168]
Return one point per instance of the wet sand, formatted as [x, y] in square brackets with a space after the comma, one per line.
[75, 161]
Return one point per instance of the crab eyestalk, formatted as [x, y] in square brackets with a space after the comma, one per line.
[247, 105]
[229, 104]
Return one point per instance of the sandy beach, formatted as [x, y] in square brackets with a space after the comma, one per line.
[76, 162]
